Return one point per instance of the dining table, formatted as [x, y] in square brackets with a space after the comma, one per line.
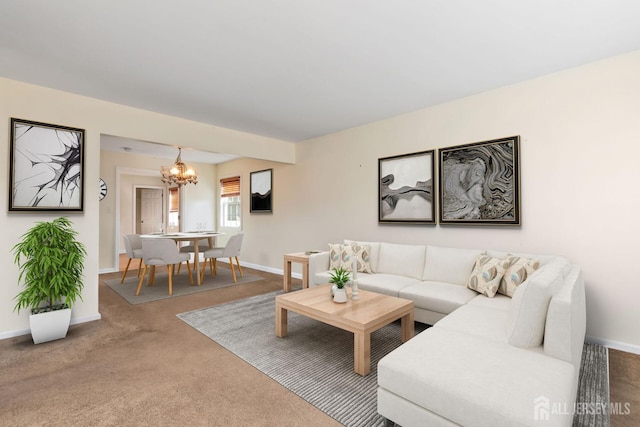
[189, 236]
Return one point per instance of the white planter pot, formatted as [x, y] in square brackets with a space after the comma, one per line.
[50, 326]
[340, 295]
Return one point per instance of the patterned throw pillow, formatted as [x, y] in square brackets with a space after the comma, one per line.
[343, 255]
[335, 255]
[516, 271]
[361, 254]
[486, 275]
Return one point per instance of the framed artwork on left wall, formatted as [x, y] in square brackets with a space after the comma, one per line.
[46, 167]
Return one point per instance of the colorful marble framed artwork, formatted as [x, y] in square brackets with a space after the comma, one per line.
[480, 183]
[46, 167]
[261, 191]
[405, 188]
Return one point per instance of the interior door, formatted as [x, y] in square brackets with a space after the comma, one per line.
[151, 212]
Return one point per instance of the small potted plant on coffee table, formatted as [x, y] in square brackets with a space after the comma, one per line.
[50, 260]
[339, 277]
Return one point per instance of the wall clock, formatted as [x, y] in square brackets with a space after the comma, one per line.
[103, 189]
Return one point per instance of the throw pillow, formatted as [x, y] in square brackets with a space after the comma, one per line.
[516, 271]
[335, 255]
[486, 275]
[361, 254]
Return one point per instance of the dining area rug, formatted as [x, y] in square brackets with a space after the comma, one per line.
[181, 285]
[315, 360]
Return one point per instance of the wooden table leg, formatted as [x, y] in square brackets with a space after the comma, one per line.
[196, 261]
[362, 353]
[305, 275]
[287, 275]
[407, 325]
[281, 321]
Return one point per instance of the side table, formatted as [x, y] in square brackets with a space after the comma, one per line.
[299, 257]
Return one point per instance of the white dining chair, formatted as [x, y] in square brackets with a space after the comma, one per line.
[231, 250]
[133, 249]
[158, 251]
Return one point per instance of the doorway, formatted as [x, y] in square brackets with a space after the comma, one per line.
[149, 210]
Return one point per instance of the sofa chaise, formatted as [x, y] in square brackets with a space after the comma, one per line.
[507, 352]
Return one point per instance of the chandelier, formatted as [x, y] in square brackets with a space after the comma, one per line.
[179, 173]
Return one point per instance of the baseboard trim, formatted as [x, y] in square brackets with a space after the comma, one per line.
[263, 268]
[616, 345]
[76, 321]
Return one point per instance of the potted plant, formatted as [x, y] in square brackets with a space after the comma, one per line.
[339, 277]
[50, 260]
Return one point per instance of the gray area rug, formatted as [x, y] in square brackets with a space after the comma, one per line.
[315, 361]
[593, 388]
[181, 286]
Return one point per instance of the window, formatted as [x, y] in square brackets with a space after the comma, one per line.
[230, 202]
[174, 212]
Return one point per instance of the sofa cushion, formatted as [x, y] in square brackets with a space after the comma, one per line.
[359, 253]
[473, 381]
[450, 265]
[335, 255]
[373, 255]
[343, 255]
[528, 310]
[388, 284]
[477, 320]
[516, 271]
[321, 277]
[437, 296]
[403, 260]
[486, 276]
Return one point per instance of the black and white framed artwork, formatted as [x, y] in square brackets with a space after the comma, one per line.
[480, 183]
[261, 191]
[46, 170]
[405, 188]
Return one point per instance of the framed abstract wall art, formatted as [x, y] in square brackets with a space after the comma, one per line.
[261, 191]
[480, 183]
[46, 170]
[405, 188]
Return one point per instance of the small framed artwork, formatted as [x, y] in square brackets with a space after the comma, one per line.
[46, 167]
[405, 188]
[480, 183]
[262, 191]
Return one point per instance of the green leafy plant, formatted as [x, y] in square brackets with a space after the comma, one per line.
[51, 261]
[339, 276]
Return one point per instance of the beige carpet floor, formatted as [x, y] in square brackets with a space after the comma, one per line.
[142, 366]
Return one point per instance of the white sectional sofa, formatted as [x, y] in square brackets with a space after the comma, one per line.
[487, 361]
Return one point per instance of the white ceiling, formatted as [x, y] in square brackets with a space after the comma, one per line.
[126, 145]
[297, 69]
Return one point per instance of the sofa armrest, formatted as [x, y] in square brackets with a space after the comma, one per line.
[566, 321]
[318, 263]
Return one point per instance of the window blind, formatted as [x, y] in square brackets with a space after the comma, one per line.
[173, 199]
[230, 187]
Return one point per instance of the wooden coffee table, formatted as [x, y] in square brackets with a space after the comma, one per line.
[362, 317]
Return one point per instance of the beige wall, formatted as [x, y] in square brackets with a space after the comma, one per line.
[580, 133]
[40, 104]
